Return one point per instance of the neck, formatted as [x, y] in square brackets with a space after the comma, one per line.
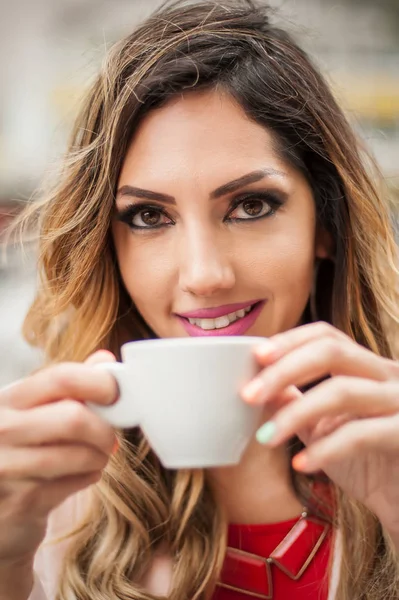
[258, 489]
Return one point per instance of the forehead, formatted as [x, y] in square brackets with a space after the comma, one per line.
[197, 134]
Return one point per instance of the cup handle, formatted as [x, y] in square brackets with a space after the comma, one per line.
[118, 414]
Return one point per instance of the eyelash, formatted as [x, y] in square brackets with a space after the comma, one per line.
[127, 215]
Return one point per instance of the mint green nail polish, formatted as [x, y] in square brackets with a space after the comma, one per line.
[266, 432]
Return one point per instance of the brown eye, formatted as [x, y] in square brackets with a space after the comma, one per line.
[144, 217]
[253, 208]
[149, 217]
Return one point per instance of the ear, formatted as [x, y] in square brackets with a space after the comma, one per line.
[324, 244]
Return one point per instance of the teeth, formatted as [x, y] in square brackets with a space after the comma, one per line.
[232, 317]
[207, 323]
[220, 322]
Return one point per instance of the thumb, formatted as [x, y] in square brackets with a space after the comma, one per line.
[100, 356]
[103, 356]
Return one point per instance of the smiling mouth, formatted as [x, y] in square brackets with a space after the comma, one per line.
[223, 321]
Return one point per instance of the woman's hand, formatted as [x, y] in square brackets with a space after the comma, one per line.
[349, 422]
[51, 446]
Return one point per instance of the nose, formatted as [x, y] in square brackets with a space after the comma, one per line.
[205, 266]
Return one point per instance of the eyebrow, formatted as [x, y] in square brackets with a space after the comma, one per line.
[227, 188]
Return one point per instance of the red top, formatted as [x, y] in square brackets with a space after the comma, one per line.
[243, 570]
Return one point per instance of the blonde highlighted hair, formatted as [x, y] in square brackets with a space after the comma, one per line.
[82, 305]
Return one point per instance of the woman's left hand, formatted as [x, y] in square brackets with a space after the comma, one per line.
[349, 422]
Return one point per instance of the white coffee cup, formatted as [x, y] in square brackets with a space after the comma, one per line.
[184, 393]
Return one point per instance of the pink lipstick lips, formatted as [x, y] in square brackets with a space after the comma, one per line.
[221, 320]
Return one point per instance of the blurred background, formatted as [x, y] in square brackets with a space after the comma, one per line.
[50, 50]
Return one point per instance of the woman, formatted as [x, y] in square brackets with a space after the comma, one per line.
[210, 168]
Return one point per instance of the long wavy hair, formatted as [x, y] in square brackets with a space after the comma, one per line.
[82, 306]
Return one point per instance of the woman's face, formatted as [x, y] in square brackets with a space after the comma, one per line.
[215, 233]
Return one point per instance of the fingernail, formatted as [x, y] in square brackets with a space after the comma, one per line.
[265, 349]
[300, 462]
[253, 390]
[266, 432]
[116, 446]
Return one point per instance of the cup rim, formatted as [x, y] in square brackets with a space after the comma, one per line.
[228, 340]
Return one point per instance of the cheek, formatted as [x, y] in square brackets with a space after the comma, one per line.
[280, 261]
[293, 263]
[146, 270]
[284, 269]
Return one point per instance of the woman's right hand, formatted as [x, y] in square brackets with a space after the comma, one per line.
[51, 446]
